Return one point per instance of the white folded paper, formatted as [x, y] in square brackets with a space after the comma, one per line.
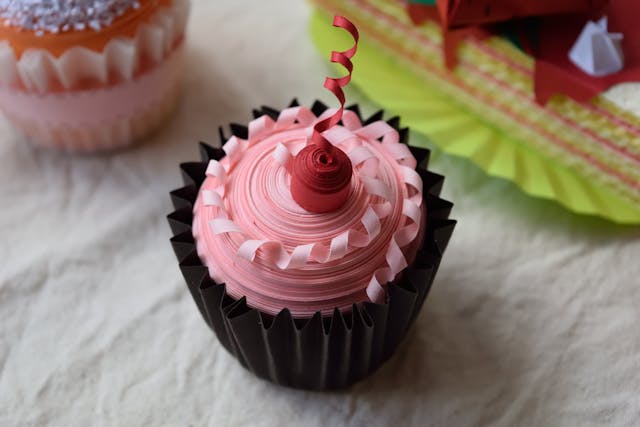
[598, 52]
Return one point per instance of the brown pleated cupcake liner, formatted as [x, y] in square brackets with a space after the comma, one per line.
[323, 352]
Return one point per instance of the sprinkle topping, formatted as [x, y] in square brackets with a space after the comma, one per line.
[59, 16]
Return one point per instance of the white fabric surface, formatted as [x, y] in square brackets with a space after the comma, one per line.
[533, 319]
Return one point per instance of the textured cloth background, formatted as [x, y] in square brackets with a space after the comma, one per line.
[533, 320]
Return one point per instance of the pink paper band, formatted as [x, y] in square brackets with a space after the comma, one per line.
[95, 107]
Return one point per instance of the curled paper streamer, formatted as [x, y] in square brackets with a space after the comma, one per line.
[335, 85]
[321, 173]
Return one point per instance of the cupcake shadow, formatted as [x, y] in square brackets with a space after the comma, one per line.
[457, 351]
[447, 355]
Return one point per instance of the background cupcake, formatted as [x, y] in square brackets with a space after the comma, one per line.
[310, 240]
[90, 75]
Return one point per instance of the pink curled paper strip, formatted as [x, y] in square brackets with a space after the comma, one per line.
[254, 237]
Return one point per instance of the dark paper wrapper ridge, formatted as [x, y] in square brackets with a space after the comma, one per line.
[323, 352]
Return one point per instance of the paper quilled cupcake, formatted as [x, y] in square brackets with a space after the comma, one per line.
[90, 75]
[310, 240]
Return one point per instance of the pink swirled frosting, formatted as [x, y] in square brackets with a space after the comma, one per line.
[256, 239]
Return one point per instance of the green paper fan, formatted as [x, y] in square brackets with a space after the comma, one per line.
[461, 133]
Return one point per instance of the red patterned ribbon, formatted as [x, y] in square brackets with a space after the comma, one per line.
[321, 172]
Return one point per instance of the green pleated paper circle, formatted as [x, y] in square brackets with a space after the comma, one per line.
[461, 133]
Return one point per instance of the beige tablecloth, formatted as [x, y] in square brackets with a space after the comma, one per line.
[533, 320]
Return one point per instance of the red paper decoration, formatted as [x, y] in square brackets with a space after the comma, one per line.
[321, 175]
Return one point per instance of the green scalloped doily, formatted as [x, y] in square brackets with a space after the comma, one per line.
[458, 132]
